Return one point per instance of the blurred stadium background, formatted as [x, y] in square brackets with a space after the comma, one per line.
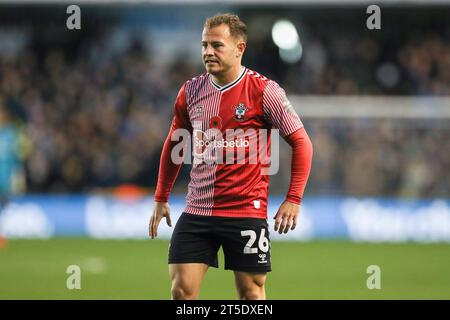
[84, 113]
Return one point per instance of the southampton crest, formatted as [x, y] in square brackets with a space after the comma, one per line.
[239, 112]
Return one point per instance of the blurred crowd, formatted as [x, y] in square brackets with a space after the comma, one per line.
[392, 157]
[90, 122]
[419, 67]
[353, 61]
[99, 120]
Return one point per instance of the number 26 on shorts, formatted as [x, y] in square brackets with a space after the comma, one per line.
[263, 242]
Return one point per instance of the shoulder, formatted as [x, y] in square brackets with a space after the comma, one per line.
[196, 81]
[257, 80]
[190, 87]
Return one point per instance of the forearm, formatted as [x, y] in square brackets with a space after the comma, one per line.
[302, 152]
[168, 171]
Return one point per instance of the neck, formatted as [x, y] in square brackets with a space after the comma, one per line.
[225, 78]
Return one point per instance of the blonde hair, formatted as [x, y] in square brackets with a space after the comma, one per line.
[238, 29]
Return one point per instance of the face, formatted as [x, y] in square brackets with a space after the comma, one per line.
[220, 50]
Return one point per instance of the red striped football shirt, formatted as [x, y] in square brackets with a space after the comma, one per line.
[252, 102]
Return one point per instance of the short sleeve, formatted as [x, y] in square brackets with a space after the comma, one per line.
[279, 111]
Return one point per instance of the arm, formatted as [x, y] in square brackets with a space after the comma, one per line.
[302, 151]
[282, 116]
[168, 170]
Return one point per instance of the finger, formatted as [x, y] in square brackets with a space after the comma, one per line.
[277, 221]
[152, 222]
[155, 227]
[283, 224]
[157, 221]
[288, 224]
[152, 228]
[169, 222]
[150, 234]
[294, 224]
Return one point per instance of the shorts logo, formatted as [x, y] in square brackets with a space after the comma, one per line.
[239, 112]
[262, 258]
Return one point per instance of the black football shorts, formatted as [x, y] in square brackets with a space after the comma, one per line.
[245, 242]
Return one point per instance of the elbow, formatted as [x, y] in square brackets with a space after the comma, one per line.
[300, 140]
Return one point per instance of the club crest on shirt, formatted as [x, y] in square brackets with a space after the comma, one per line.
[239, 112]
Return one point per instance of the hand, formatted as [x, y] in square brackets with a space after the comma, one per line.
[160, 211]
[287, 215]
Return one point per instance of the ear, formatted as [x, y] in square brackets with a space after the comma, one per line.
[240, 48]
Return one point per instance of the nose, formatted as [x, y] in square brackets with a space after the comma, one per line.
[208, 50]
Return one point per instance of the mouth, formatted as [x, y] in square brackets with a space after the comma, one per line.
[210, 61]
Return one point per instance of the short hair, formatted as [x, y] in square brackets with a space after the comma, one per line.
[238, 29]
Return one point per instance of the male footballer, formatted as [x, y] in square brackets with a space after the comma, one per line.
[226, 204]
